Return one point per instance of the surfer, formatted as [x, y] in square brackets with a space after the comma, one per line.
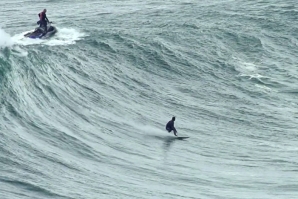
[43, 20]
[170, 126]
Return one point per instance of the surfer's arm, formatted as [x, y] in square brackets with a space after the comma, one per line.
[175, 131]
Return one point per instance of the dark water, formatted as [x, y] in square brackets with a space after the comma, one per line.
[83, 114]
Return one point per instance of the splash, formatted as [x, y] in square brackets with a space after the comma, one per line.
[5, 39]
[64, 36]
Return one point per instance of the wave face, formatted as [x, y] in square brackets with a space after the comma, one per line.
[83, 114]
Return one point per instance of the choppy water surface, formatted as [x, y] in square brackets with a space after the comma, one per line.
[83, 113]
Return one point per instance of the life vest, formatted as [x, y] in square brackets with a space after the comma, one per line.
[41, 16]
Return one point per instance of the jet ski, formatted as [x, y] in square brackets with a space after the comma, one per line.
[40, 33]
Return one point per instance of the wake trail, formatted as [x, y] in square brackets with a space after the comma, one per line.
[64, 36]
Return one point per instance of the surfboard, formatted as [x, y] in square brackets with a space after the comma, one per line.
[181, 138]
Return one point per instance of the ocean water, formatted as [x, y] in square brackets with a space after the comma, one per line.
[83, 113]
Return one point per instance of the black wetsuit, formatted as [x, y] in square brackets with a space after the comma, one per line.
[170, 126]
[43, 21]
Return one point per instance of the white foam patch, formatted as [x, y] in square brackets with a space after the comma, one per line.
[244, 67]
[64, 36]
[263, 88]
[249, 66]
[254, 76]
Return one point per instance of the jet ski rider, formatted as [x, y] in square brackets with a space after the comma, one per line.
[43, 20]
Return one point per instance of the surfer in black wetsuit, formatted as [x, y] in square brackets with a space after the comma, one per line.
[43, 20]
[170, 126]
